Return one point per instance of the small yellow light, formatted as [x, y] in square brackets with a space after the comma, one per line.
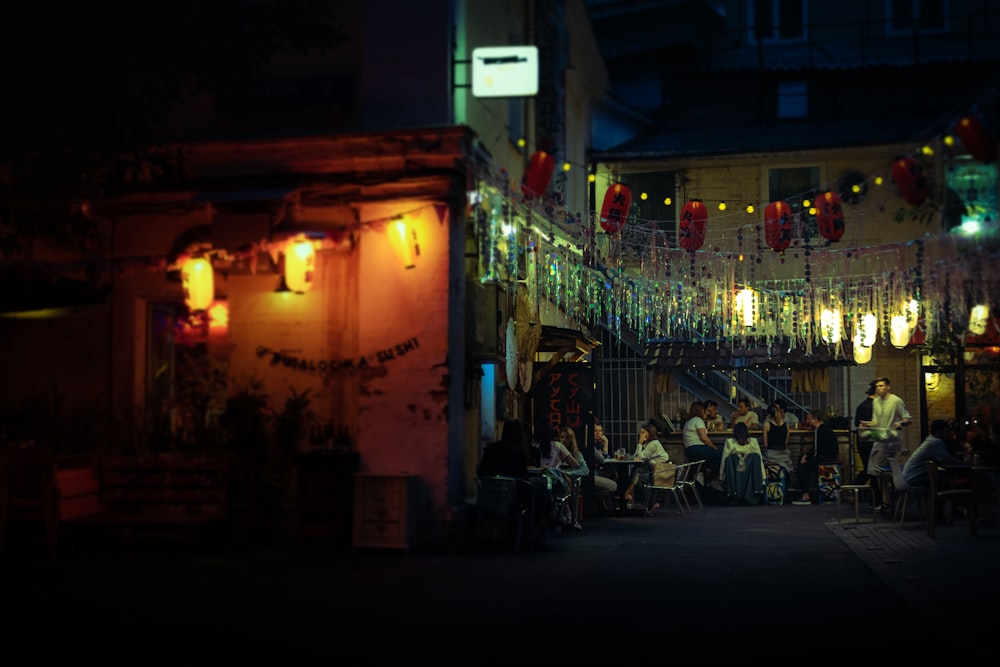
[566, 166]
[806, 203]
[722, 206]
[750, 208]
[878, 180]
[591, 178]
[643, 196]
[812, 210]
[855, 188]
[521, 143]
[667, 201]
[927, 150]
[949, 140]
[741, 257]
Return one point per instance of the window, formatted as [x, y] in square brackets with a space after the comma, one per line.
[793, 99]
[920, 15]
[777, 20]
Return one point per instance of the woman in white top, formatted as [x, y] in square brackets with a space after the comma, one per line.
[552, 454]
[699, 447]
[649, 450]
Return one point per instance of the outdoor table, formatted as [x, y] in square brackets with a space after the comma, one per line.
[623, 468]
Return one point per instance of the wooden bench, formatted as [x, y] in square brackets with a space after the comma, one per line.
[160, 497]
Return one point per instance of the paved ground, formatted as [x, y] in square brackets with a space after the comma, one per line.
[788, 583]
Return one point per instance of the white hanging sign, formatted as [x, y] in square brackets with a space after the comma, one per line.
[505, 71]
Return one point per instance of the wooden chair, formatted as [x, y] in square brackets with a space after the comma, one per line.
[948, 496]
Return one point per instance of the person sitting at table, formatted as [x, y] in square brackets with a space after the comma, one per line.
[933, 448]
[742, 471]
[744, 415]
[699, 447]
[713, 420]
[824, 450]
[509, 457]
[790, 417]
[551, 455]
[776, 438]
[648, 450]
[604, 486]
[567, 436]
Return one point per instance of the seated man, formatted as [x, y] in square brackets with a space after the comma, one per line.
[824, 450]
[744, 415]
[933, 448]
[713, 420]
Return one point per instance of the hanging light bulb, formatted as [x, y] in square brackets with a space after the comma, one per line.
[198, 280]
[899, 331]
[978, 318]
[405, 240]
[300, 263]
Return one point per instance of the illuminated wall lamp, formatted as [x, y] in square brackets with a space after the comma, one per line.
[300, 264]
[405, 238]
[198, 280]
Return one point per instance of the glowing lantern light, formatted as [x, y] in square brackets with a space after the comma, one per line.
[198, 280]
[978, 318]
[694, 218]
[830, 325]
[614, 212]
[830, 216]
[300, 263]
[899, 331]
[862, 353]
[910, 180]
[746, 303]
[538, 174]
[866, 330]
[778, 225]
[979, 141]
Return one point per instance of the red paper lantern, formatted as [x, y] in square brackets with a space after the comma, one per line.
[830, 216]
[538, 174]
[614, 212]
[778, 225]
[694, 217]
[979, 141]
[910, 180]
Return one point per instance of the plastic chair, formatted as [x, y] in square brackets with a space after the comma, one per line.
[902, 491]
[506, 501]
[966, 496]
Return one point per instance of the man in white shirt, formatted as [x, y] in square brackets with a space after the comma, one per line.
[744, 415]
[889, 414]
